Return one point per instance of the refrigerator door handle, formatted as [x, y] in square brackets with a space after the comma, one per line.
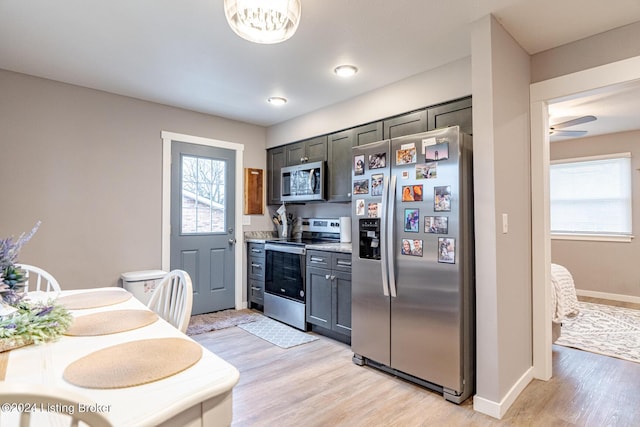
[390, 238]
[383, 243]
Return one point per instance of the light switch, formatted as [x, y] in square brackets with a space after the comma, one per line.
[246, 220]
[505, 223]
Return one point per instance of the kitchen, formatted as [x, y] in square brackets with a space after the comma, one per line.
[118, 221]
[329, 300]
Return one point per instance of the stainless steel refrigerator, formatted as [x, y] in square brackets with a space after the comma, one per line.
[413, 259]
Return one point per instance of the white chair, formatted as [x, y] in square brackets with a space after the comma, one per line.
[172, 299]
[41, 399]
[39, 279]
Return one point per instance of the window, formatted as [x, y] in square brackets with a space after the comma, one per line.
[591, 196]
[203, 185]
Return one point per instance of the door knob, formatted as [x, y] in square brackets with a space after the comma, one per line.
[232, 241]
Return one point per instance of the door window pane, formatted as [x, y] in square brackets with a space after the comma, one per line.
[202, 201]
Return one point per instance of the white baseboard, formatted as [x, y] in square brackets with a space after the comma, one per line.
[606, 295]
[498, 409]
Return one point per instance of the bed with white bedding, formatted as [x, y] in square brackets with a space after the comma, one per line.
[564, 302]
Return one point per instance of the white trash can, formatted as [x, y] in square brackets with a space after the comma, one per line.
[142, 283]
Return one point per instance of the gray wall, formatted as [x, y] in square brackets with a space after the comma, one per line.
[88, 165]
[439, 85]
[442, 84]
[603, 266]
[502, 186]
[600, 49]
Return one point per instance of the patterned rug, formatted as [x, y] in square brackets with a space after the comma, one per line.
[604, 329]
[201, 323]
[277, 333]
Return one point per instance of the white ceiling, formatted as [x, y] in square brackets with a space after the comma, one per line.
[616, 108]
[182, 52]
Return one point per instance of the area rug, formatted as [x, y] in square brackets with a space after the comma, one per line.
[603, 329]
[277, 333]
[201, 323]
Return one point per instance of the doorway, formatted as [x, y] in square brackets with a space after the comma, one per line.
[201, 233]
[542, 93]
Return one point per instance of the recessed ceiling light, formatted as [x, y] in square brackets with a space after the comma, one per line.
[277, 100]
[345, 70]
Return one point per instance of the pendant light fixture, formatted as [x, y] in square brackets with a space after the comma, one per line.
[263, 21]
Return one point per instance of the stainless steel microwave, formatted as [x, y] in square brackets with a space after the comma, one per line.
[301, 183]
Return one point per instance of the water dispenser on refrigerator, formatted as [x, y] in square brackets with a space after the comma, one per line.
[369, 238]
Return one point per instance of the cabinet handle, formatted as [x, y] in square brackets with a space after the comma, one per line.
[316, 259]
[256, 289]
[347, 263]
[256, 251]
[327, 276]
[333, 277]
[256, 266]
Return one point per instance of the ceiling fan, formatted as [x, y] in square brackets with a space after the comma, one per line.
[554, 129]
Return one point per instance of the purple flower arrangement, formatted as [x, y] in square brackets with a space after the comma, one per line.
[11, 277]
[24, 322]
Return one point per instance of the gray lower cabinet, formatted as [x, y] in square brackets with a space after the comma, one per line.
[255, 273]
[328, 296]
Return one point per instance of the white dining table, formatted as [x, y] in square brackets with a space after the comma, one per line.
[201, 395]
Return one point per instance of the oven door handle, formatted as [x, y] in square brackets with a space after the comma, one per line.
[285, 248]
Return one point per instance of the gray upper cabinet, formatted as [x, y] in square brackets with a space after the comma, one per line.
[275, 162]
[339, 166]
[307, 151]
[339, 158]
[366, 134]
[406, 124]
[336, 147]
[451, 114]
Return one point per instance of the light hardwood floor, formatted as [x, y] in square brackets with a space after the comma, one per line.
[316, 384]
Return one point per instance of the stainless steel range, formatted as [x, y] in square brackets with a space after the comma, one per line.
[285, 273]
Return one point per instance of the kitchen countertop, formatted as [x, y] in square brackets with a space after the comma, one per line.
[259, 236]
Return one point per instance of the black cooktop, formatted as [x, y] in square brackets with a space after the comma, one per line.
[302, 241]
[308, 239]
